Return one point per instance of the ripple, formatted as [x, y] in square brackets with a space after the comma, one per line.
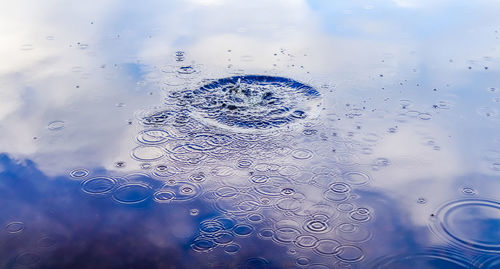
[302, 154]
[306, 241]
[470, 223]
[56, 125]
[327, 247]
[361, 214]
[232, 248]
[153, 136]
[285, 234]
[316, 226]
[99, 185]
[223, 238]
[147, 153]
[353, 232]
[14, 227]
[79, 173]
[132, 193]
[243, 229]
[28, 258]
[356, 178]
[203, 245]
[437, 260]
[252, 102]
[180, 191]
[350, 253]
[163, 196]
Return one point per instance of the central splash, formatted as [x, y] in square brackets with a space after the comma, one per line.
[251, 101]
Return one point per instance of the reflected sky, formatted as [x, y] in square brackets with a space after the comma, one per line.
[408, 122]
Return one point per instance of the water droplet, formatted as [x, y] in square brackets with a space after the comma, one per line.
[194, 212]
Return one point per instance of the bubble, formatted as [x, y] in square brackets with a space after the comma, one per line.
[353, 232]
[120, 164]
[147, 153]
[285, 234]
[79, 173]
[232, 248]
[302, 154]
[242, 229]
[252, 102]
[350, 253]
[302, 261]
[56, 125]
[223, 238]
[327, 247]
[361, 214]
[356, 178]
[28, 258]
[306, 241]
[467, 223]
[202, 245]
[430, 260]
[132, 193]
[14, 227]
[99, 185]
